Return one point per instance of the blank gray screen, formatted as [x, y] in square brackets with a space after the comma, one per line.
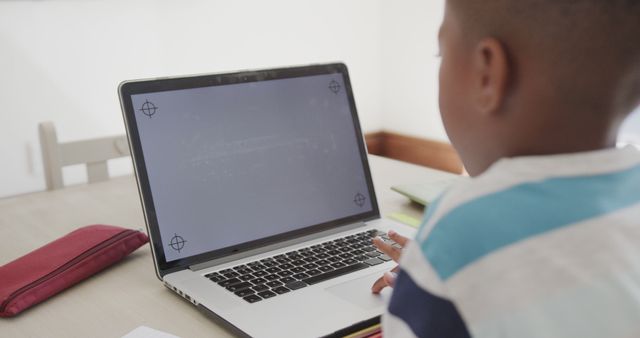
[235, 163]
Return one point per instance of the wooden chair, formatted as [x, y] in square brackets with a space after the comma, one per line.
[429, 153]
[94, 153]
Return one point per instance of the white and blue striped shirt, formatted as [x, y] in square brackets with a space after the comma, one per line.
[541, 246]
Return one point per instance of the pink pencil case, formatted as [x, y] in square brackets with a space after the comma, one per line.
[62, 263]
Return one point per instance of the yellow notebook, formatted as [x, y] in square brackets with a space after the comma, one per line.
[425, 193]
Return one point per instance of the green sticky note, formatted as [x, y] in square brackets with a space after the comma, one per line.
[404, 219]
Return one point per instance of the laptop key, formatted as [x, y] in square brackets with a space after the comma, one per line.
[384, 257]
[271, 277]
[260, 273]
[274, 283]
[349, 261]
[281, 289]
[239, 286]
[325, 268]
[258, 280]
[252, 299]
[244, 271]
[216, 278]
[228, 282]
[297, 269]
[231, 274]
[286, 280]
[258, 267]
[266, 294]
[259, 288]
[301, 275]
[244, 292]
[338, 265]
[295, 257]
[313, 272]
[373, 253]
[335, 273]
[373, 261]
[286, 266]
[269, 264]
[246, 277]
[272, 270]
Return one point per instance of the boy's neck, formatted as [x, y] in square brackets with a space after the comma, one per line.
[538, 137]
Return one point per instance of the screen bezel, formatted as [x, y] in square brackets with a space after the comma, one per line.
[135, 87]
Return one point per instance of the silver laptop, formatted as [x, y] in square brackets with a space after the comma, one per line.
[258, 197]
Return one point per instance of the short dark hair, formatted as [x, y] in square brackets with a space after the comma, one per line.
[591, 47]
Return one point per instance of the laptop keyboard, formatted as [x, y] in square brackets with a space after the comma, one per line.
[272, 276]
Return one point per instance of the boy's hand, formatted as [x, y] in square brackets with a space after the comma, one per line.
[388, 279]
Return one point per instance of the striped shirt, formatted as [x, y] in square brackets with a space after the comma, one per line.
[541, 246]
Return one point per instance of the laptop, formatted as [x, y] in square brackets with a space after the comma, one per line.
[258, 199]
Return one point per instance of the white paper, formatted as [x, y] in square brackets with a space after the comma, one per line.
[147, 332]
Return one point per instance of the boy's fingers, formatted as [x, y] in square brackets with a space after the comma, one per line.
[387, 249]
[396, 237]
[388, 279]
[379, 284]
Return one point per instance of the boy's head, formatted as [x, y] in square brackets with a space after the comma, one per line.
[535, 77]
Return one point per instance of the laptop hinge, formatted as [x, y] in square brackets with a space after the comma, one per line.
[275, 246]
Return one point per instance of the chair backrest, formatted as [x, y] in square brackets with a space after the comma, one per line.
[93, 152]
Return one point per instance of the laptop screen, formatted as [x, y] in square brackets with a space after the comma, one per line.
[235, 163]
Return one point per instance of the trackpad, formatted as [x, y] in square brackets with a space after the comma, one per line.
[358, 292]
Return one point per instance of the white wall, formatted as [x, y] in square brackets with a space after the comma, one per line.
[630, 130]
[62, 60]
[410, 67]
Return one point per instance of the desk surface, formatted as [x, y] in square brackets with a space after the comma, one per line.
[128, 294]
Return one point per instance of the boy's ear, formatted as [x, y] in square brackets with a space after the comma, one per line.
[491, 72]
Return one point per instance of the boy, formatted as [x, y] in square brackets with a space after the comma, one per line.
[545, 240]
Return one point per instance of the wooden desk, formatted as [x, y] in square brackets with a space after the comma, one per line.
[129, 295]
